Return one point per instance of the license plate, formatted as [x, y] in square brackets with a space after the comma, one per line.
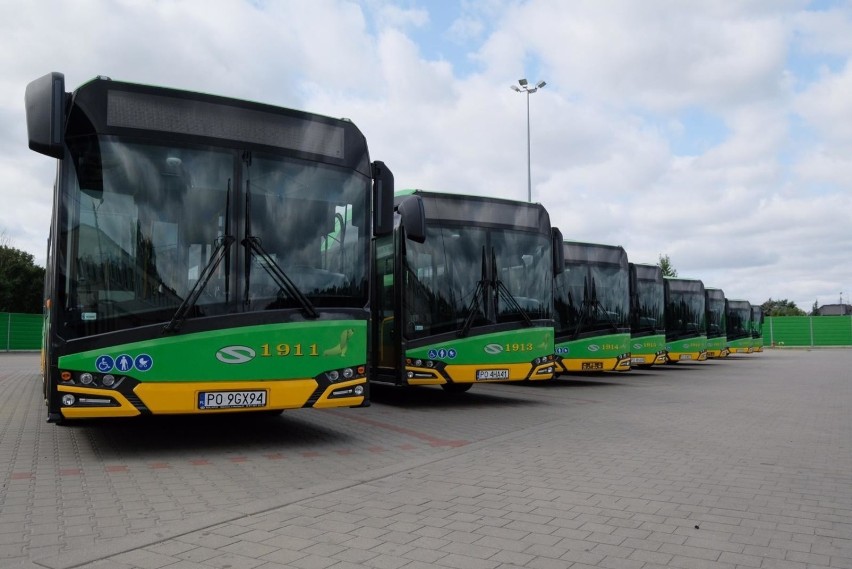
[686, 356]
[486, 374]
[637, 360]
[231, 399]
[591, 365]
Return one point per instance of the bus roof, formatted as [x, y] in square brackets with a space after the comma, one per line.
[577, 251]
[115, 107]
[463, 208]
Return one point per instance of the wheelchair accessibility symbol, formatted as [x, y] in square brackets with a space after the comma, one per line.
[104, 363]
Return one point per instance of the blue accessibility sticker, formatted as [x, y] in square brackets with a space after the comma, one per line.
[143, 362]
[123, 363]
[104, 363]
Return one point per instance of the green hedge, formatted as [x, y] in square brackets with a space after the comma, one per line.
[20, 331]
[808, 331]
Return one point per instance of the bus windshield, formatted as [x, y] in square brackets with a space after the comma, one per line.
[739, 319]
[685, 310]
[716, 313]
[143, 222]
[650, 303]
[458, 271]
[592, 293]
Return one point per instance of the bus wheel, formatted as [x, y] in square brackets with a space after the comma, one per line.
[456, 387]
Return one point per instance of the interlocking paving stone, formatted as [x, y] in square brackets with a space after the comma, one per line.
[720, 465]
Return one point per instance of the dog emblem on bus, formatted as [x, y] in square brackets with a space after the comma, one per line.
[235, 354]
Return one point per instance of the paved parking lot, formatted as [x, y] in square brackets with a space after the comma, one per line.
[739, 463]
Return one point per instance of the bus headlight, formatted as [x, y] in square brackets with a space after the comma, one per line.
[333, 375]
[359, 390]
[348, 373]
[108, 380]
[68, 400]
[86, 378]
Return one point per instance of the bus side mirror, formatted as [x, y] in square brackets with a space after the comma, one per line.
[382, 199]
[558, 250]
[44, 100]
[413, 218]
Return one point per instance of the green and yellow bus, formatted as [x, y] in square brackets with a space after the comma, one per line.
[757, 328]
[464, 292]
[717, 343]
[206, 255]
[647, 316]
[592, 301]
[686, 320]
[739, 326]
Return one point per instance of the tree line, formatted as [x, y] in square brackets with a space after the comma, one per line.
[21, 280]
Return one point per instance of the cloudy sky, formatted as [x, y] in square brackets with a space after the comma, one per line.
[717, 133]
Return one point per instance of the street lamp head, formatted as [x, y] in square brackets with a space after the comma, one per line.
[540, 84]
[522, 82]
[515, 88]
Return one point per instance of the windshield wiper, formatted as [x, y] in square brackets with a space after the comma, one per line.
[480, 291]
[218, 254]
[253, 246]
[503, 292]
[592, 306]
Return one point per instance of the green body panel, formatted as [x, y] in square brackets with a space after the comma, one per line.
[272, 351]
[647, 345]
[515, 346]
[717, 344]
[688, 345]
[743, 344]
[596, 348]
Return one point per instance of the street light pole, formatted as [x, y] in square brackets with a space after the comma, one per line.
[524, 87]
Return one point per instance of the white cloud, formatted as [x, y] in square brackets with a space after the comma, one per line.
[396, 17]
[761, 210]
[827, 106]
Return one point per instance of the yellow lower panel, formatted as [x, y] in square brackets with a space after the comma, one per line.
[324, 402]
[605, 364]
[647, 359]
[170, 398]
[687, 356]
[540, 373]
[125, 409]
[467, 373]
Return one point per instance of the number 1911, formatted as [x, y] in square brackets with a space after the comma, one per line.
[284, 350]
